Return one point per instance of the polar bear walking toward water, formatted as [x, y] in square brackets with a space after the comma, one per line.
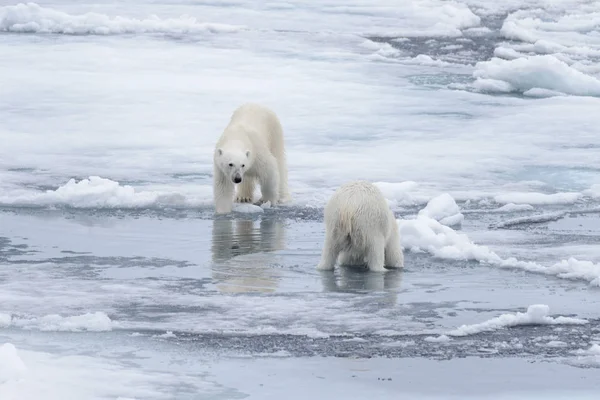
[250, 150]
[360, 228]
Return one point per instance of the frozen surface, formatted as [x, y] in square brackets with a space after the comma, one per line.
[476, 119]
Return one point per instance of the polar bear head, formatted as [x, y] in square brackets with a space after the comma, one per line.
[233, 163]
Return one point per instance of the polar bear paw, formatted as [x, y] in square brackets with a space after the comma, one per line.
[240, 199]
[260, 202]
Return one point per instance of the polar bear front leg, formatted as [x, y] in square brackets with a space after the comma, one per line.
[223, 193]
[269, 182]
[245, 190]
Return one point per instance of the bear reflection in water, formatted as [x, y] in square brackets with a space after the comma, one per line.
[348, 279]
[360, 279]
[242, 252]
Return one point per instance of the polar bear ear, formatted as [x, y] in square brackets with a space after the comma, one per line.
[220, 152]
[247, 153]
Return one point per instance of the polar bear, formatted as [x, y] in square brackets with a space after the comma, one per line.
[360, 228]
[250, 149]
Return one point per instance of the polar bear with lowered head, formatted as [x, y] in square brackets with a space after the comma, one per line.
[361, 229]
[250, 150]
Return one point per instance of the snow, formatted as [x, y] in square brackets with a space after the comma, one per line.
[110, 111]
[26, 375]
[593, 350]
[97, 192]
[588, 357]
[5, 320]
[90, 322]
[425, 60]
[400, 193]
[424, 234]
[577, 269]
[32, 18]
[556, 343]
[594, 191]
[429, 17]
[530, 219]
[512, 207]
[541, 93]
[506, 53]
[167, 335]
[444, 209]
[438, 339]
[12, 367]
[537, 314]
[535, 72]
[538, 198]
[247, 208]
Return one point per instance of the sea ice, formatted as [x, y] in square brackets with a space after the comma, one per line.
[444, 209]
[536, 315]
[542, 72]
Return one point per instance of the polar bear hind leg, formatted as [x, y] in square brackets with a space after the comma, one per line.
[376, 253]
[394, 257]
[330, 253]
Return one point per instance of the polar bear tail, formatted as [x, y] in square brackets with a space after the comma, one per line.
[351, 234]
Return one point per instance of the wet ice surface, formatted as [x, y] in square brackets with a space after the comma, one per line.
[476, 119]
[238, 293]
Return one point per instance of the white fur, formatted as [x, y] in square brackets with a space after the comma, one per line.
[251, 149]
[361, 229]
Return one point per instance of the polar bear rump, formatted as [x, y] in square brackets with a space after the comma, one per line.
[360, 229]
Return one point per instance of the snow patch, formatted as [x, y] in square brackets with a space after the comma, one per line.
[444, 209]
[52, 376]
[5, 320]
[381, 50]
[11, 366]
[556, 344]
[32, 18]
[593, 350]
[96, 192]
[167, 335]
[537, 314]
[427, 18]
[542, 93]
[438, 339]
[401, 193]
[507, 53]
[512, 208]
[538, 198]
[530, 219]
[587, 358]
[90, 322]
[425, 60]
[575, 269]
[535, 72]
[593, 192]
[247, 208]
[424, 234]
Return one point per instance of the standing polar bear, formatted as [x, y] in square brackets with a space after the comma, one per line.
[250, 149]
[360, 228]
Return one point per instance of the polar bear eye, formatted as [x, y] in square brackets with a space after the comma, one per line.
[243, 165]
[231, 164]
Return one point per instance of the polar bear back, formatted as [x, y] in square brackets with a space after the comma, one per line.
[257, 126]
[356, 211]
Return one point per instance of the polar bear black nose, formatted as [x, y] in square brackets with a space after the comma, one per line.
[237, 179]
